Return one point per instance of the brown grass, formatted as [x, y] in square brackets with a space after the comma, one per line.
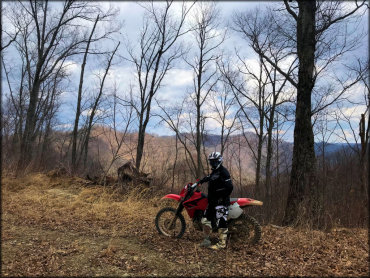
[60, 227]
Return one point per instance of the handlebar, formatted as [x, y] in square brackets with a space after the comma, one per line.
[194, 185]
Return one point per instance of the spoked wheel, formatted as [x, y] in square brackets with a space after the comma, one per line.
[245, 229]
[168, 224]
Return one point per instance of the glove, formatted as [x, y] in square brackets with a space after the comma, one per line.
[203, 180]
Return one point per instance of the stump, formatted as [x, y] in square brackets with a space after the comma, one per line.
[128, 173]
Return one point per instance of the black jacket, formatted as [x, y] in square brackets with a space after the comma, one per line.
[220, 186]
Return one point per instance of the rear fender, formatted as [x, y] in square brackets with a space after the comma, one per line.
[172, 196]
[244, 202]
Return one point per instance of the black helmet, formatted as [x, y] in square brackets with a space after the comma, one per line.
[215, 160]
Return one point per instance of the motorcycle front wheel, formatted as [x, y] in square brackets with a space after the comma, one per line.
[245, 229]
[169, 224]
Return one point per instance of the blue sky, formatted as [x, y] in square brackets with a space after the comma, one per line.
[179, 80]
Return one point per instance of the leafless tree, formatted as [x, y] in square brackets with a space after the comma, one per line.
[7, 37]
[258, 93]
[153, 58]
[313, 21]
[223, 105]
[348, 118]
[207, 40]
[174, 118]
[95, 105]
[121, 121]
[47, 37]
[79, 96]
[308, 33]
[189, 126]
[93, 37]
[252, 108]
[282, 159]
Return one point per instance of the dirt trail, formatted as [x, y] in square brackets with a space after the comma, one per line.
[57, 227]
[53, 252]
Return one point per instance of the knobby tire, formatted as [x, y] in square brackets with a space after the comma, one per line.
[180, 217]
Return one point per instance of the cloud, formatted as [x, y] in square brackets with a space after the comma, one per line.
[349, 6]
[354, 111]
[357, 93]
[71, 67]
[346, 137]
[253, 65]
[175, 85]
[89, 111]
[64, 126]
[213, 125]
[178, 78]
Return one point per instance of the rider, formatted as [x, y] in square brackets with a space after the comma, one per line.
[219, 190]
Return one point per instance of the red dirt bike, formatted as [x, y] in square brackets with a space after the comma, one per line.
[171, 223]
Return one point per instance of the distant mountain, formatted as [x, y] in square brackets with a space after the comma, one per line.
[165, 149]
[214, 140]
[332, 147]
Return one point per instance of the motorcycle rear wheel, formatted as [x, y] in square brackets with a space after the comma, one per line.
[163, 222]
[245, 229]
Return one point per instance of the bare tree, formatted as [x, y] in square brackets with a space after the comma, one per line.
[252, 108]
[10, 36]
[188, 125]
[79, 96]
[282, 159]
[308, 33]
[258, 93]
[94, 107]
[174, 118]
[156, 53]
[347, 119]
[108, 16]
[46, 38]
[208, 40]
[121, 120]
[223, 105]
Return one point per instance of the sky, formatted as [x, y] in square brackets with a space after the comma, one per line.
[179, 79]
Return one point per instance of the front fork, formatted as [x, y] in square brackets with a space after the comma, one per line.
[179, 209]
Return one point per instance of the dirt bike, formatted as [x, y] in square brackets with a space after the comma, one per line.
[171, 223]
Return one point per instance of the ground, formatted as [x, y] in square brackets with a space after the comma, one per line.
[60, 226]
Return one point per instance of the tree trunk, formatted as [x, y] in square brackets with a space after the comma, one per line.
[258, 166]
[364, 137]
[145, 109]
[140, 145]
[277, 181]
[269, 153]
[303, 164]
[174, 163]
[79, 97]
[198, 129]
[85, 146]
[28, 135]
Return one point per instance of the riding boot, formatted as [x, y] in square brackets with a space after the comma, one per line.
[206, 242]
[206, 232]
[222, 233]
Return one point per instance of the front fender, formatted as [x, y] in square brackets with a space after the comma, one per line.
[172, 196]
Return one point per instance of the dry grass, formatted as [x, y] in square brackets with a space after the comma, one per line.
[60, 227]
